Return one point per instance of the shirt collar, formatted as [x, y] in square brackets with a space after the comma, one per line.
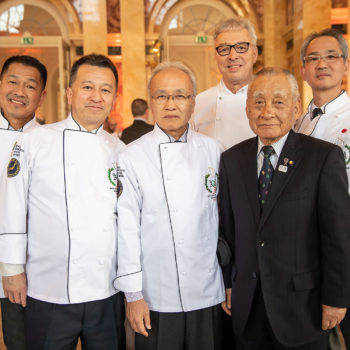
[277, 146]
[225, 90]
[163, 137]
[331, 105]
[76, 126]
[4, 123]
[141, 119]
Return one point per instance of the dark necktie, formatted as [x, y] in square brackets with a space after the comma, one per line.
[316, 112]
[266, 174]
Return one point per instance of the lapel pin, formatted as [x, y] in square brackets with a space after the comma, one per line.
[282, 168]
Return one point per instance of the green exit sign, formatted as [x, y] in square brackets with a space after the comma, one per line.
[27, 40]
[201, 39]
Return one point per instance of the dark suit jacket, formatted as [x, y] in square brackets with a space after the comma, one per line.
[299, 246]
[136, 130]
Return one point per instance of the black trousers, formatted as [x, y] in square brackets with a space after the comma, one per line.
[12, 316]
[99, 324]
[258, 334]
[193, 330]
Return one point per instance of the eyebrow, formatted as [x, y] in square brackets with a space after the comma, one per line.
[278, 93]
[17, 77]
[166, 91]
[318, 53]
[93, 83]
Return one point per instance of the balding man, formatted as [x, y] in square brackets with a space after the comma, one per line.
[285, 212]
[168, 224]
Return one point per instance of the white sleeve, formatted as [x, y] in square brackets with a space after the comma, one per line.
[129, 228]
[13, 207]
[11, 269]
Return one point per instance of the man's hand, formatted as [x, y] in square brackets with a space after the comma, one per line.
[226, 305]
[332, 316]
[15, 288]
[138, 315]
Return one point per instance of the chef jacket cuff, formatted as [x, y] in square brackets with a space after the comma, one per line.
[11, 269]
[133, 296]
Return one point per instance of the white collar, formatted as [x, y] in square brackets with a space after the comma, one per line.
[277, 146]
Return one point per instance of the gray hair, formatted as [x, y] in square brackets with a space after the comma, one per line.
[336, 34]
[273, 71]
[235, 23]
[174, 65]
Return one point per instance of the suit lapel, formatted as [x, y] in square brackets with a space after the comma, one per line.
[249, 170]
[290, 152]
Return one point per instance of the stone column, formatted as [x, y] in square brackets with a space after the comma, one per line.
[274, 26]
[132, 24]
[309, 16]
[95, 26]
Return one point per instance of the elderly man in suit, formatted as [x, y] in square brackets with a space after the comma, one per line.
[285, 212]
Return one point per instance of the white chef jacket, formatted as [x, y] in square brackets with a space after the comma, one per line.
[8, 137]
[221, 114]
[168, 222]
[332, 126]
[67, 183]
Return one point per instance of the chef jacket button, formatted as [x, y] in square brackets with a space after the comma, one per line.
[262, 243]
[168, 179]
[71, 230]
[181, 241]
[75, 261]
[184, 273]
[220, 98]
[254, 274]
[105, 230]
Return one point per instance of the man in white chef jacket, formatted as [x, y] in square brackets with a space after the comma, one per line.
[22, 91]
[168, 224]
[63, 176]
[220, 110]
[325, 59]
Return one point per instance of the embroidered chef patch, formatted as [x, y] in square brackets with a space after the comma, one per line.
[113, 174]
[342, 142]
[13, 168]
[211, 183]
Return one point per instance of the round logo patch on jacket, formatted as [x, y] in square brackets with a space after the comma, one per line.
[13, 168]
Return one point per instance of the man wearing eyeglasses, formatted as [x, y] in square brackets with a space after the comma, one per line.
[220, 110]
[325, 64]
[168, 224]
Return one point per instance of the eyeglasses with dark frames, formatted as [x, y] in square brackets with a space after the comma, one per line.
[224, 50]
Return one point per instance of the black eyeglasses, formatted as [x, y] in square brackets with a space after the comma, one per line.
[224, 50]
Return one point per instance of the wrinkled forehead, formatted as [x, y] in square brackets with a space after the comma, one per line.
[270, 86]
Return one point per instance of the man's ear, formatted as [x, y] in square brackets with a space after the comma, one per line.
[42, 97]
[69, 94]
[297, 109]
